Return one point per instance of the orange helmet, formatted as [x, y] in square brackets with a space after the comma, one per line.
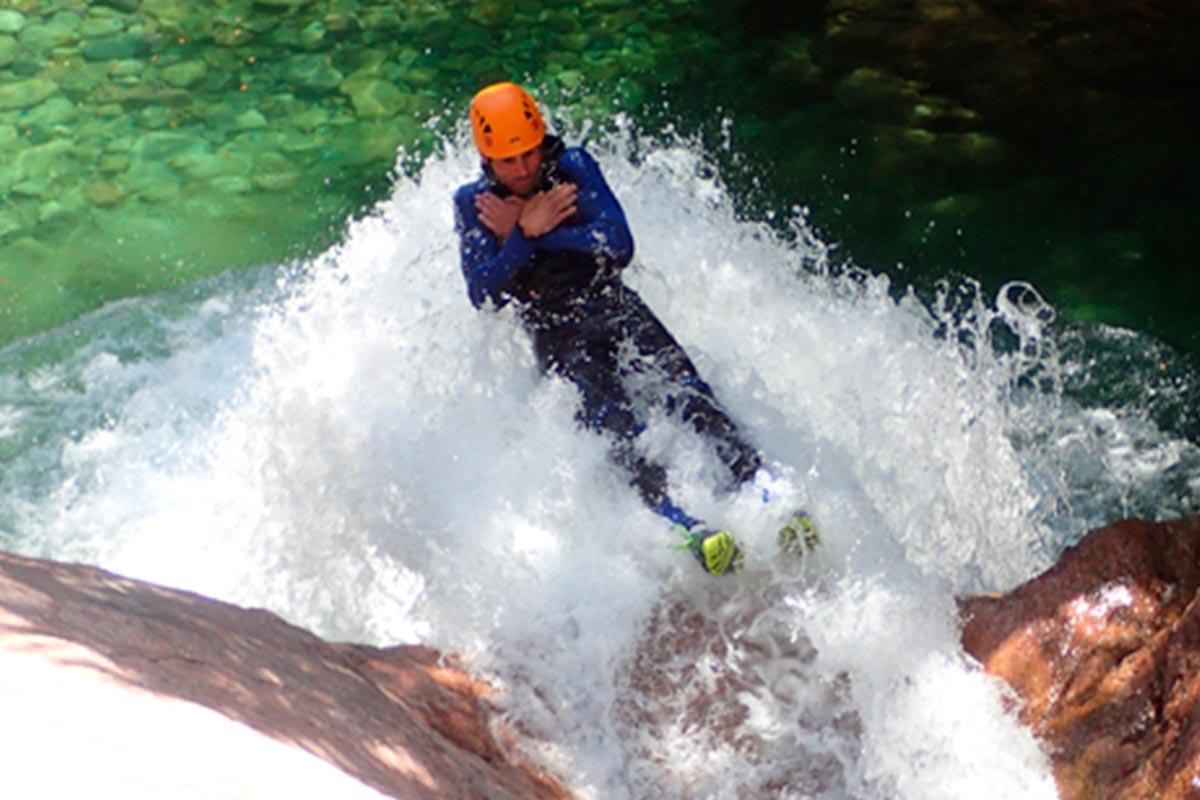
[505, 121]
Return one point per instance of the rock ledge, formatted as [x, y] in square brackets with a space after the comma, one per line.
[401, 720]
[1103, 651]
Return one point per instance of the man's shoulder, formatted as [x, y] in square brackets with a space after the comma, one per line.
[579, 165]
[577, 158]
[468, 190]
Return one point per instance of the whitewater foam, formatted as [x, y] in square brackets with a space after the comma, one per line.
[349, 443]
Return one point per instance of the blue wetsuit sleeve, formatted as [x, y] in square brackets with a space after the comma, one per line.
[486, 264]
[602, 232]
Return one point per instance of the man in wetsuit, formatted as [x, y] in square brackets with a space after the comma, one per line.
[542, 229]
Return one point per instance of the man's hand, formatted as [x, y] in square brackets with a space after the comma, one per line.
[546, 210]
[500, 216]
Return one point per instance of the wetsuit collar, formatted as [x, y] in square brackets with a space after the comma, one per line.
[552, 151]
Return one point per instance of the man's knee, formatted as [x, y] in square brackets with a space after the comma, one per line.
[612, 417]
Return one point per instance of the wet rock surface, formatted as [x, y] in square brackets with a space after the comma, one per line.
[1103, 651]
[402, 720]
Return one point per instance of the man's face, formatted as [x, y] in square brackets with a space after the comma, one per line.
[519, 173]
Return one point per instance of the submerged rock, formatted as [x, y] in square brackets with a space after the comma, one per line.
[797, 68]
[115, 48]
[161, 145]
[183, 74]
[203, 165]
[1044, 72]
[12, 21]
[101, 27]
[250, 119]
[128, 71]
[167, 12]
[25, 94]
[403, 720]
[103, 193]
[60, 29]
[47, 161]
[310, 118]
[312, 72]
[492, 12]
[376, 99]
[9, 49]
[1104, 651]
[54, 112]
[232, 184]
[128, 6]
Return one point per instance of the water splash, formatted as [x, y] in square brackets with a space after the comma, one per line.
[349, 443]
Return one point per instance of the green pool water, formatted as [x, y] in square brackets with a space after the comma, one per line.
[145, 144]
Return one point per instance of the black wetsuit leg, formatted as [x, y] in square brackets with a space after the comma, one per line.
[681, 389]
[623, 360]
[587, 354]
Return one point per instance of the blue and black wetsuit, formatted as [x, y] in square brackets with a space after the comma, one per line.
[589, 327]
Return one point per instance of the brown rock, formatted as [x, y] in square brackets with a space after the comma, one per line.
[403, 720]
[1104, 652]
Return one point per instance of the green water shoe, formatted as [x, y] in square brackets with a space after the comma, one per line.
[716, 551]
[799, 535]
